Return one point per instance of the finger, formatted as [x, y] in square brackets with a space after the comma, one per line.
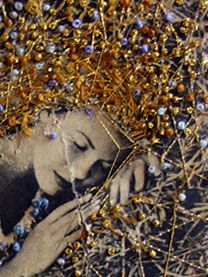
[139, 173]
[71, 220]
[124, 186]
[66, 208]
[114, 191]
[153, 160]
[70, 238]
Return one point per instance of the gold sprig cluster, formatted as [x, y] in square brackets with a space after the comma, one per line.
[135, 59]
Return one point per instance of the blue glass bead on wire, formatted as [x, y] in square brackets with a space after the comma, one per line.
[61, 261]
[172, 83]
[96, 16]
[1, 108]
[76, 23]
[89, 111]
[140, 23]
[52, 83]
[89, 49]
[69, 88]
[19, 230]
[44, 202]
[181, 125]
[169, 16]
[203, 143]
[52, 135]
[36, 203]
[144, 48]
[35, 212]
[124, 41]
[16, 246]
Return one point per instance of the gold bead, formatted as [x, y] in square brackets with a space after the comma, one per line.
[183, 30]
[68, 251]
[187, 132]
[75, 259]
[142, 217]
[111, 251]
[150, 125]
[33, 26]
[77, 273]
[53, 11]
[190, 110]
[152, 253]
[107, 223]
[93, 243]
[76, 245]
[175, 110]
[32, 7]
[21, 20]
[164, 51]
[192, 74]
[179, 2]
[156, 223]
[102, 213]
[34, 35]
[136, 199]
[93, 216]
[52, 25]
[4, 37]
[21, 36]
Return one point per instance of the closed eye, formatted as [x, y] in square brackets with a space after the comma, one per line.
[81, 148]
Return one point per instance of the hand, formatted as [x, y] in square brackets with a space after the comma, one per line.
[49, 238]
[131, 178]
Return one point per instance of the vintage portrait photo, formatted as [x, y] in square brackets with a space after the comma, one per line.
[103, 138]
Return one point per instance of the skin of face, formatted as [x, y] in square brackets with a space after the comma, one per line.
[81, 141]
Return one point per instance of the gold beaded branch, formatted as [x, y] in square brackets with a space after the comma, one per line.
[135, 59]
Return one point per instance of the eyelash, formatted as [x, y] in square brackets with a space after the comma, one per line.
[80, 147]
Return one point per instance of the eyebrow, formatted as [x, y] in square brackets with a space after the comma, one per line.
[88, 139]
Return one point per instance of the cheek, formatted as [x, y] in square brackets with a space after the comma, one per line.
[50, 156]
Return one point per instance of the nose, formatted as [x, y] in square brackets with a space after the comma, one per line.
[81, 165]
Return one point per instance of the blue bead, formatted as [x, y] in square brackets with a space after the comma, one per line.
[69, 88]
[144, 48]
[164, 166]
[52, 83]
[140, 23]
[161, 111]
[50, 48]
[16, 246]
[203, 143]
[52, 136]
[35, 212]
[77, 23]
[124, 41]
[96, 15]
[151, 169]
[200, 107]
[61, 261]
[3, 245]
[36, 203]
[20, 51]
[1, 108]
[89, 112]
[181, 125]
[169, 17]
[171, 83]
[89, 49]
[19, 230]
[44, 202]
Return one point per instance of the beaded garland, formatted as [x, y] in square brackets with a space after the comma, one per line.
[142, 62]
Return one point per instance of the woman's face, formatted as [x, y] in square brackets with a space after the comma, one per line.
[81, 154]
